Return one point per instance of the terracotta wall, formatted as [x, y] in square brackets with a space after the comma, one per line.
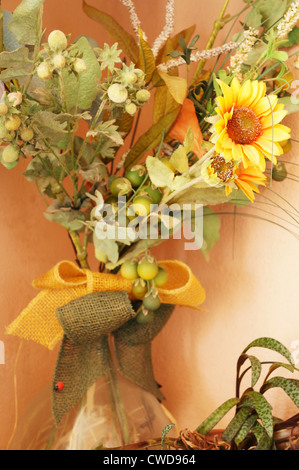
[251, 280]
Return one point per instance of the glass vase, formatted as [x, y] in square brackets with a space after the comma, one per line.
[106, 418]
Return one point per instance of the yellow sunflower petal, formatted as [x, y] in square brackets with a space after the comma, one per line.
[227, 94]
[279, 134]
[247, 189]
[272, 119]
[235, 86]
[245, 94]
[252, 153]
[264, 106]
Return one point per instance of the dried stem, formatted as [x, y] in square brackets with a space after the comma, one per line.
[218, 25]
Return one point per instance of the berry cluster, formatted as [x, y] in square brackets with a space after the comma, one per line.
[146, 275]
[56, 56]
[140, 193]
[15, 129]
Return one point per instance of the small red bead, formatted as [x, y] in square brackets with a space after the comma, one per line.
[59, 386]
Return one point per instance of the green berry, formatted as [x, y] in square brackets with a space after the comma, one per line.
[131, 108]
[26, 134]
[139, 288]
[136, 175]
[147, 268]
[161, 277]
[128, 270]
[145, 316]
[141, 205]
[120, 187]
[279, 172]
[57, 40]
[143, 95]
[151, 300]
[10, 154]
[154, 193]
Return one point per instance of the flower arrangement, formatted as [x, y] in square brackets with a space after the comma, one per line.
[72, 108]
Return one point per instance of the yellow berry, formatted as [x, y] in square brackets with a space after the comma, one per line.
[13, 123]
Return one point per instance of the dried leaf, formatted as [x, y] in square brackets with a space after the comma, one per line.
[125, 40]
[177, 86]
[146, 58]
[151, 138]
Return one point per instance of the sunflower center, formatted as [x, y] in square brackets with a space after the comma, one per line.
[244, 126]
[223, 169]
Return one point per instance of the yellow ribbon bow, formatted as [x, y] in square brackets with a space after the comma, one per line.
[66, 282]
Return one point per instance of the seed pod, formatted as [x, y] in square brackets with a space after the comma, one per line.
[117, 93]
[57, 40]
[79, 65]
[44, 71]
[279, 172]
[143, 95]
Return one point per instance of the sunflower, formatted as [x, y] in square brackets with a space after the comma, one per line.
[247, 126]
[248, 179]
[217, 172]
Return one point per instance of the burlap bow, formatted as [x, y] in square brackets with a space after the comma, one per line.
[66, 282]
[83, 308]
[84, 353]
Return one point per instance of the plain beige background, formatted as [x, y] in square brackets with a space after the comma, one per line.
[251, 280]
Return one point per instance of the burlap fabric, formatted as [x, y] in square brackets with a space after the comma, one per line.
[66, 281]
[83, 356]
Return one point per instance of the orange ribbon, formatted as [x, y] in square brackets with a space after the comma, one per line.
[66, 281]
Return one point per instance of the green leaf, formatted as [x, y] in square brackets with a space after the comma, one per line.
[264, 442]
[82, 90]
[256, 367]
[165, 431]
[289, 386]
[179, 159]
[48, 126]
[107, 246]
[235, 424]
[26, 24]
[10, 41]
[211, 231]
[272, 344]
[282, 56]
[160, 175]
[15, 64]
[71, 220]
[150, 138]
[208, 424]
[291, 104]
[263, 409]
[293, 37]
[245, 428]
[126, 41]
